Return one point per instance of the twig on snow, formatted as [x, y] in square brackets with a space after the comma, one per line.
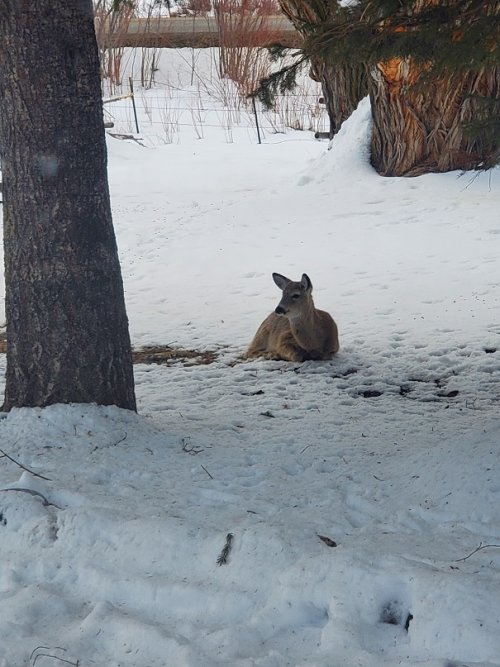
[211, 477]
[190, 450]
[35, 474]
[50, 655]
[45, 502]
[327, 540]
[122, 439]
[479, 548]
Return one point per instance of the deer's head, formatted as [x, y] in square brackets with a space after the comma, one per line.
[296, 295]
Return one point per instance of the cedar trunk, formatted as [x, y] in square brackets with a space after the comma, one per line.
[67, 329]
[422, 128]
[343, 85]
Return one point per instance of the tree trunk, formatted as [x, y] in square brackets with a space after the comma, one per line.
[67, 329]
[422, 129]
[343, 85]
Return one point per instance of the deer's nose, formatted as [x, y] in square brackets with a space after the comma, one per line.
[279, 310]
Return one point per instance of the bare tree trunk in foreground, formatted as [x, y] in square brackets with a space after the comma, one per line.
[67, 329]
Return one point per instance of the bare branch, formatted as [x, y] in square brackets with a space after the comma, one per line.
[479, 548]
[50, 655]
[190, 450]
[206, 471]
[35, 474]
[46, 503]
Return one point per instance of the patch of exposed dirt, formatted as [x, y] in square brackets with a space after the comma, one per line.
[164, 354]
[155, 354]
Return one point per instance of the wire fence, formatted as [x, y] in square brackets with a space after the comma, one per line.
[177, 89]
[182, 110]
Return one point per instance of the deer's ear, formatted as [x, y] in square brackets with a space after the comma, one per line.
[280, 280]
[306, 283]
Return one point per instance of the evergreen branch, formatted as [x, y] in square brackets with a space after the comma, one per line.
[279, 82]
[224, 554]
[462, 34]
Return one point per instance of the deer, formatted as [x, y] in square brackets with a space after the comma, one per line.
[296, 330]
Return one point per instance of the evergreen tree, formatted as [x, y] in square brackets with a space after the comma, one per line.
[434, 79]
[432, 70]
[344, 84]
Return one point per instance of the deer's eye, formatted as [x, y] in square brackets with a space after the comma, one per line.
[295, 297]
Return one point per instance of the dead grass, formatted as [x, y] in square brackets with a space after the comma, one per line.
[243, 28]
[111, 20]
[164, 354]
[156, 354]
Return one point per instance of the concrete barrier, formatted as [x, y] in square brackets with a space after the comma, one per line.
[199, 32]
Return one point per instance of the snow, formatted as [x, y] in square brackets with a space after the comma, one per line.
[390, 451]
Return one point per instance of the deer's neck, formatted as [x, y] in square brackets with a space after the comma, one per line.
[303, 326]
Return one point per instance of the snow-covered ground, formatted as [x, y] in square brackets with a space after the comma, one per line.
[390, 451]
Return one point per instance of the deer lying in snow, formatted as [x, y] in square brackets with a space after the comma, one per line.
[296, 331]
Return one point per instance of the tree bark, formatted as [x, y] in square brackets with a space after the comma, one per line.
[67, 329]
[343, 85]
[420, 129]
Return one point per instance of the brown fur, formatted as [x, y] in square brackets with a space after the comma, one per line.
[296, 331]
